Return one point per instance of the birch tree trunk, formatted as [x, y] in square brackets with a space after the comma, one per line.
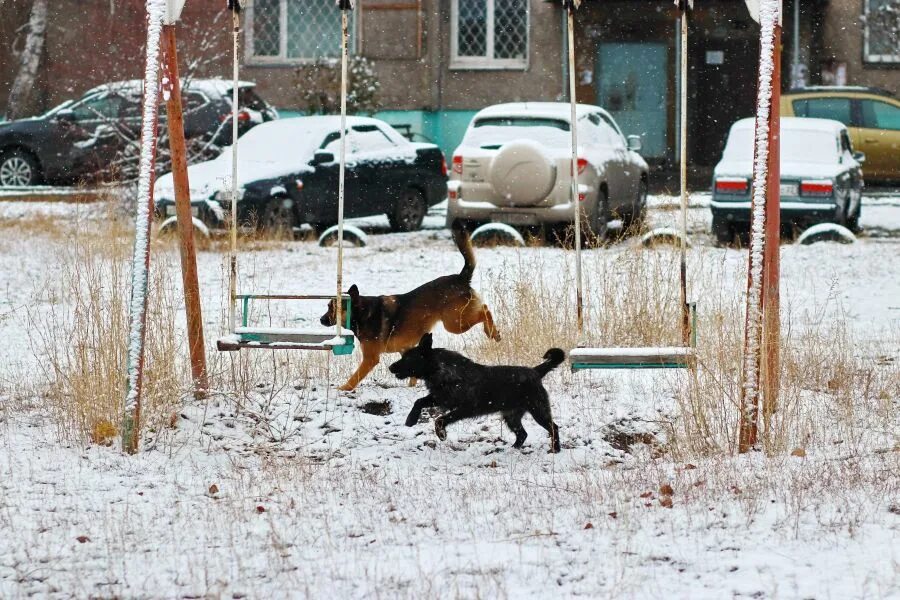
[20, 95]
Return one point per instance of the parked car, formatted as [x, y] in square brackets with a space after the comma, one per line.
[81, 138]
[288, 175]
[821, 177]
[872, 117]
[513, 166]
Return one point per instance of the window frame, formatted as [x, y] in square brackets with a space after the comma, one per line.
[487, 63]
[868, 56]
[282, 58]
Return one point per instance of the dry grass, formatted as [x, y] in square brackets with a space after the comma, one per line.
[80, 332]
[829, 381]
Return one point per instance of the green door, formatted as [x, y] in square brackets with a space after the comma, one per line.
[631, 84]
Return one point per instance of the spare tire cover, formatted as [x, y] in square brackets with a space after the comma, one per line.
[522, 174]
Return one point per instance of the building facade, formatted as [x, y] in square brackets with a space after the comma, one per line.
[439, 61]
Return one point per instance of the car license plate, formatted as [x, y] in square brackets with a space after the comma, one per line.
[789, 189]
[170, 210]
[512, 218]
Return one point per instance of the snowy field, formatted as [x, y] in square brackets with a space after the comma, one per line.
[277, 485]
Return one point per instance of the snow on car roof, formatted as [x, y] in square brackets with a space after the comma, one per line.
[797, 124]
[135, 86]
[555, 110]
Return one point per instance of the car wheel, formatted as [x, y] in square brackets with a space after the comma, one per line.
[722, 230]
[409, 211]
[597, 230]
[634, 222]
[18, 168]
[278, 218]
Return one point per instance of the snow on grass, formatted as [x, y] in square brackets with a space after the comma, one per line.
[319, 493]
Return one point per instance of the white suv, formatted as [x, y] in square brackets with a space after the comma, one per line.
[513, 167]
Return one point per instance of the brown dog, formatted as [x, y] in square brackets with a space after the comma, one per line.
[397, 323]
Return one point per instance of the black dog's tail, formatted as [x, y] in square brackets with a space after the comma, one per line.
[552, 359]
[464, 243]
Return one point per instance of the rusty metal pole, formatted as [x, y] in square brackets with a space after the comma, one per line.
[762, 273]
[771, 299]
[183, 214]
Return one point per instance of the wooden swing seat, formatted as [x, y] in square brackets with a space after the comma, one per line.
[285, 338]
[666, 357]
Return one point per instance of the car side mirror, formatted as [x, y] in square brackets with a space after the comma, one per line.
[859, 157]
[321, 157]
[634, 143]
[66, 115]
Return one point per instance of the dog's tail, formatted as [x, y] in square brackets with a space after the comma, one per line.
[552, 359]
[464, 243]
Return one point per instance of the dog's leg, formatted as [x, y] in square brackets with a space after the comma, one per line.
[452, 416]
[514, 422]
[544, 418]
[369, 362]
[422, 403]
[487, 322]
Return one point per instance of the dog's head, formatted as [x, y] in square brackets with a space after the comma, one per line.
[328, 319]
[415, 362]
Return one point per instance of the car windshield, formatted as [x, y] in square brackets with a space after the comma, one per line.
[797, 145]
[56, 109]
[495, 131]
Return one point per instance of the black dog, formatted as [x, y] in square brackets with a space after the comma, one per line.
[466, 389]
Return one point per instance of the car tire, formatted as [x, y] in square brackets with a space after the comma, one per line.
[634, 221]
[19, 168]
[409, 211]
[723, 231]
[278, 219]
[597, 231]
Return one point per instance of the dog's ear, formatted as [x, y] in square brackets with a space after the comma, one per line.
[354, 292]
[425, 342]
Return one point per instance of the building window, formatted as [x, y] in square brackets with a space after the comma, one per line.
[882, 31]
[294, 31]
[489, 34]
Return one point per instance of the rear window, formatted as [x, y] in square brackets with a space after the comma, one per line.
[492, 132]
[248, 98]
[796, 145]
[521, 122]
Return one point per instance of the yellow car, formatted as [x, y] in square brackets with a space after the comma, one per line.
[872, 117]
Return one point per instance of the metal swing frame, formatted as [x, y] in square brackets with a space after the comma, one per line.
[670, 357]
[340, 341]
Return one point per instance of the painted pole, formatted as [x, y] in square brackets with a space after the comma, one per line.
[345, 7]
[772, 249]
[235, 7]
[684, 7]
[762, 277]
[183, 216]
[140, 265]
[570, 7]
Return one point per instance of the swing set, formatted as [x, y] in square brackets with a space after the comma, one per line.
[162, 16]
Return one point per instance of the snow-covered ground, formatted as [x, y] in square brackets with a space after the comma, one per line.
[319, 493]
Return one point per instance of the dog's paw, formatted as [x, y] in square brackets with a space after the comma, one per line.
[412, 419]
[347, 387]
[440, 429]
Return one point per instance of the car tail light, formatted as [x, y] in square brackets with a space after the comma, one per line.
[822, 187]
[299, 184]
[443, 166]
[243, 116]
[452, 195]
[581, 197]
[732, 185]
[582, 165]
[458, 164]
